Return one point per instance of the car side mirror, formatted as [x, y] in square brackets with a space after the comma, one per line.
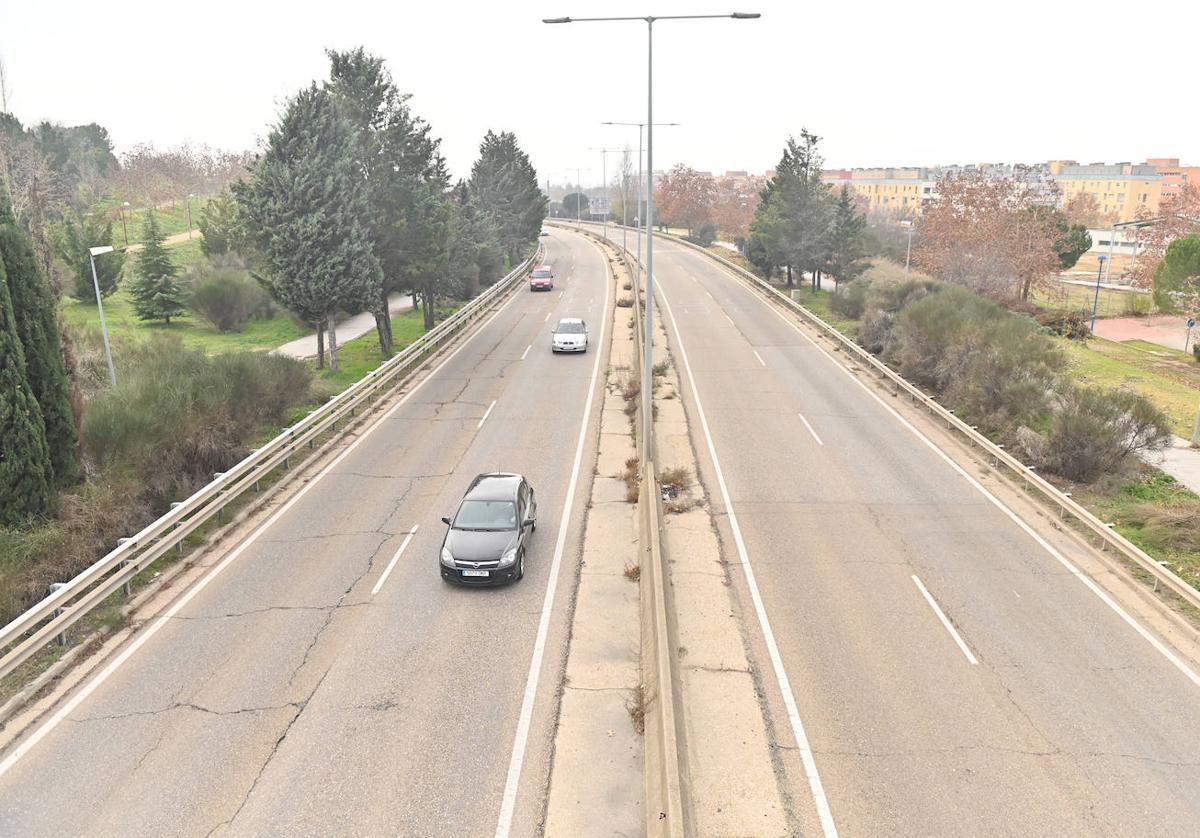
[446, 520]
[529, 522]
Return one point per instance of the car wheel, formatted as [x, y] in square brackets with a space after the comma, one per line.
[521, 566]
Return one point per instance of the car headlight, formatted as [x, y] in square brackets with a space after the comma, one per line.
[510, 556]
[447, 557]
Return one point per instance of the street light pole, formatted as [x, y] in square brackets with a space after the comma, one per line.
[639, 219]
[647, 380]
[1096, 302]
[908, 253]
[93, 252]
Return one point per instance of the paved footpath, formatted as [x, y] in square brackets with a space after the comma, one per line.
[348, 329]
[1164, 329]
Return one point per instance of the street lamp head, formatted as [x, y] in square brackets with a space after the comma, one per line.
[556, 20]
[745, 15]
[97, 251]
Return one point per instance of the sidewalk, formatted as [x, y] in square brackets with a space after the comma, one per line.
[348, 329]
[1164, 329]
[1181, 461]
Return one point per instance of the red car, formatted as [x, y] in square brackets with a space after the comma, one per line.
[542, 279]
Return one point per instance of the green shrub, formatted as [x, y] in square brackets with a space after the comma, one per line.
[178, 415]
[227, 298]
[850, 302]
[1095, 431]
[993, 366]
[704, 235]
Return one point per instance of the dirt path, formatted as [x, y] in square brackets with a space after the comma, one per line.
[178, 238]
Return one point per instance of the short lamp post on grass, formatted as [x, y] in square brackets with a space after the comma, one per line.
[189, 209]
[125, 229]
[93, 252]
[1096, 302]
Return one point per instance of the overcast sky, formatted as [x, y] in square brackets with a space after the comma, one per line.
[883, 83]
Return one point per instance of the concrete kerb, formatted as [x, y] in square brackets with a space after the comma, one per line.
[91, 651]
[668, 810]
[598, 746]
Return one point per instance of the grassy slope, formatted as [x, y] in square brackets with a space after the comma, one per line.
[123, 323]
[359, 356]
[1169, 378]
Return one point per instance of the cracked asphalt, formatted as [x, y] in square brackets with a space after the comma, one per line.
[1070, 724]
[285, 700]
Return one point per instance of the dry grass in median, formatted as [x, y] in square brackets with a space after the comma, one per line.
[631, 478]
[638, 704]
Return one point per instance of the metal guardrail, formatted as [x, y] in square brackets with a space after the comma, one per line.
[1066, 505]
[71, 601]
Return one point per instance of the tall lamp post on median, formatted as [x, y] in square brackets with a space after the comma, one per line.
[641, 182]
[647, 380]
[93, 252]
[604, 152]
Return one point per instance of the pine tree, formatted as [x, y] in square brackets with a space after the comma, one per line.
[308, 206]
[77, 235]
[399, 161]
[35, 314]
[504, 184]
[846, 247]
[155, 291]
[25, 472]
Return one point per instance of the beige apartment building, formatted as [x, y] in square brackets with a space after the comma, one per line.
[896, 190]
[1122, 191]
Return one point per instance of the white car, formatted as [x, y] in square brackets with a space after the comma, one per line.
[570, 335]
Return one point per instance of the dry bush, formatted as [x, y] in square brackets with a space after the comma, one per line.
[680, 478]
[632, 482]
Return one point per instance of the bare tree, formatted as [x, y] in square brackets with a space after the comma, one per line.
[1179, 216]
[734, 203]
[685, 197]
[994, 235]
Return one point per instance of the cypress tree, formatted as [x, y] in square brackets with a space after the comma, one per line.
[25, 473]
[35, 314]
[156, 293]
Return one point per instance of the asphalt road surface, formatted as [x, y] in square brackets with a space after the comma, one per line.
[301, 692]
[951, 676]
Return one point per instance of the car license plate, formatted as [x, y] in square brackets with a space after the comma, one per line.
[475, 573]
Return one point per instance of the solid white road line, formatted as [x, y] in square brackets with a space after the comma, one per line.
[1095, 588]
[710, 296]
[154, 627]
[486, 414]
[759, 357]
[828, 827]
[387, 571]
[810, 429]
[730, 319]
[526, 352]
[945, 622]
[517, 760]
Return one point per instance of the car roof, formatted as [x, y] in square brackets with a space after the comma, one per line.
[562, 320]
[541, 267]
[494, 486]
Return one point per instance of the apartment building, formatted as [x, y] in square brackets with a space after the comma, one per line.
[1174, 175]
[1122, 190]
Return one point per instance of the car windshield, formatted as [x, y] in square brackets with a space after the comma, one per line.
[571, 328]
[541, 274]
[486, 515]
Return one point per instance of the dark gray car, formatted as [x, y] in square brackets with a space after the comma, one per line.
[486, 539]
